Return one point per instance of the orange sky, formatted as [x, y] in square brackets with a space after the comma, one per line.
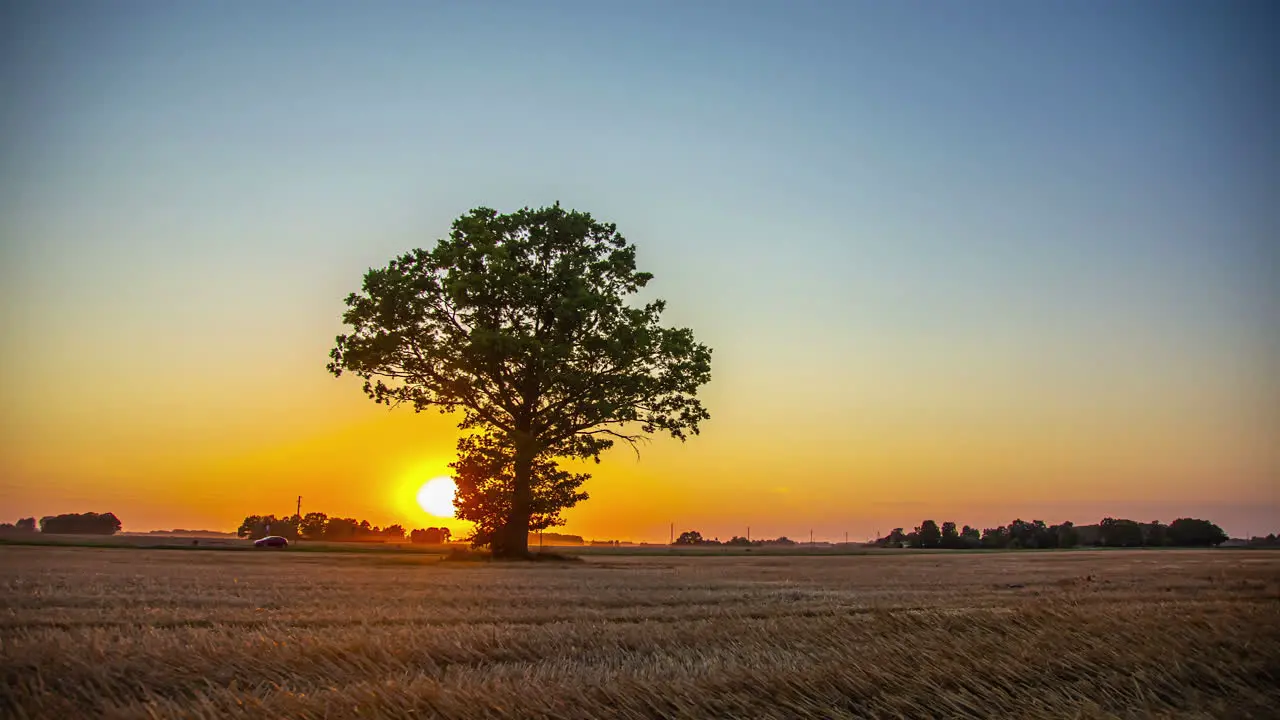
[859, 457]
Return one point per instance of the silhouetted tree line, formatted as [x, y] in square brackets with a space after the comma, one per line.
[24, 525]
[190, 533]
[552, 538]
[68, 524]
[1264, 541]
[319, 526]
[1111, 532]
[431, 536]
[693, 537]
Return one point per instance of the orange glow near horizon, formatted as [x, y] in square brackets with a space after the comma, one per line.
[976, 462]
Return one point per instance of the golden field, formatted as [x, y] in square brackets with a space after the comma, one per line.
[116, 632]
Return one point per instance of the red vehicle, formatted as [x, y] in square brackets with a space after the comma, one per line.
[271, 541]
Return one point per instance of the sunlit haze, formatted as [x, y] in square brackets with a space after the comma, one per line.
[435, 497]
[967, 261]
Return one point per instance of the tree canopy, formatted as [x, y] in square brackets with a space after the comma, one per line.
[1195, 532]
[521, 323]
[89, 523]
[689, 537]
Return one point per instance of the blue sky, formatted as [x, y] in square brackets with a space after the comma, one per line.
[871, 210]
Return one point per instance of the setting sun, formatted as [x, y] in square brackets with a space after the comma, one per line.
[436, 497]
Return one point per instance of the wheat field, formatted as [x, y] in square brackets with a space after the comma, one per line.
[127, 633]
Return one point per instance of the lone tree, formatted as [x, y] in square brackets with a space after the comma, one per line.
[520, 322]
[689, 537]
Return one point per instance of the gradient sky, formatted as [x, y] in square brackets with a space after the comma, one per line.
[969, 261]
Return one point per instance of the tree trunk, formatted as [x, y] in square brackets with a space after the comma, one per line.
[514, 538]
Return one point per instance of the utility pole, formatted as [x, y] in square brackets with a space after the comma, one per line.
[846, 537]
[298, 513]
[748, 533]
[672, 541]
[811, 537]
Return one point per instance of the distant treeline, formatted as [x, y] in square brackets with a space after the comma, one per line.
[693, 537]
[431, 536]
[68, 524]
[319, 526]
[549, 538]
[1111, 532]
[1264, 541]
[25, 525]
[182, 532]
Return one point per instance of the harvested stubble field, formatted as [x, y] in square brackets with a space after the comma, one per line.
[145, 633]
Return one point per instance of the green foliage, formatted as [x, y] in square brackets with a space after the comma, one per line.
[520, 322]
[485, 478]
